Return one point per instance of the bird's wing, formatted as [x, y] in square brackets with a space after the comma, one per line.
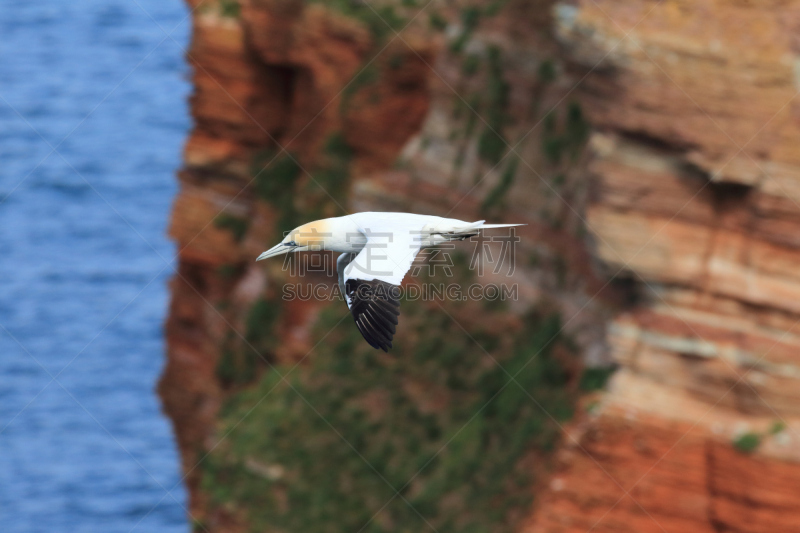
[341, 263]
[372, 281]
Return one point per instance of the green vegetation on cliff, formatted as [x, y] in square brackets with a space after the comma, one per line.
[230, 8]
[241, 359]
[492, 143]
[283, 183]
[750, 441]
[571, 137]
[236, 225]
[275, 177]
[434, 433]
[496, 195]
[382, 20]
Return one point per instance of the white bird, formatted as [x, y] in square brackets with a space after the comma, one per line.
[377, 251]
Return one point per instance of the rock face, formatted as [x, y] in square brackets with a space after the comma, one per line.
[695, 175]
[668, 241]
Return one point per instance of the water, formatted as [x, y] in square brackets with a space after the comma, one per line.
[82, 280]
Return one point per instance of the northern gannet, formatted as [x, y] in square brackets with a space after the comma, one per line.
[377, 250]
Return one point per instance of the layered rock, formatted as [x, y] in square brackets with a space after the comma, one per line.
[695, 176]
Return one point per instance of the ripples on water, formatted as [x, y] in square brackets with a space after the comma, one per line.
[80, 289]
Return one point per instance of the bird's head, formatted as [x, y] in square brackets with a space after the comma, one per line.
[309, 236]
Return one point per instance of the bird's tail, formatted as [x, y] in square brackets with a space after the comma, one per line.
[481, 224]
[460, 233]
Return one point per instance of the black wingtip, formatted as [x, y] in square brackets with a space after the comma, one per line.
[374, 305]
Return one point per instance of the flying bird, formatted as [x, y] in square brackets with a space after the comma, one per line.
[377, 250]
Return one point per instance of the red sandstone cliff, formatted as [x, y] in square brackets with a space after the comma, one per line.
[686, 198]
[695, 171]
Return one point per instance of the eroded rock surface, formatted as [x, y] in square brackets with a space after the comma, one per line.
[669, 243]
[695, 175]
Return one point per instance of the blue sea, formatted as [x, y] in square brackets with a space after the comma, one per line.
[93, 114]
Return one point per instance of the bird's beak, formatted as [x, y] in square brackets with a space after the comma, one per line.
[278, 249]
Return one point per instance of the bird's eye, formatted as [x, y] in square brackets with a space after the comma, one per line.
[290, 243]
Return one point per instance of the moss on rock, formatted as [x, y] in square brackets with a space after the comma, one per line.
[436, 431]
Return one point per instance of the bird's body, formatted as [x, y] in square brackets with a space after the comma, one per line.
[377, 250]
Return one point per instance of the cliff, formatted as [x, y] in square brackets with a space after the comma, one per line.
[650, 148]
[694, 171]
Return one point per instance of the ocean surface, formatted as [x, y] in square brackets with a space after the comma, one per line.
[93, 114]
